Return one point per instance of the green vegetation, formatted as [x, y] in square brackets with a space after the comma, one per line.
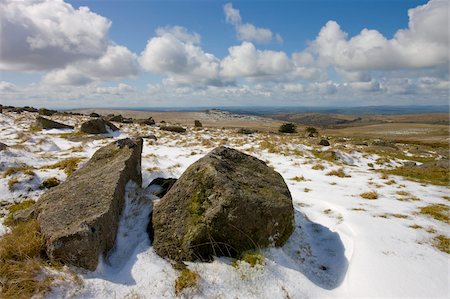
[369, 195]
[17, 207]
[250, 257]
[311, 130]
[439, 212]
[442, 243]
[430, 175]
[187, 279]
[49, 183]
[68, 165]
[288, 128]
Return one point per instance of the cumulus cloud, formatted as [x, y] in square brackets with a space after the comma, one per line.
[116, 63]
[120, 89]
[7, 87]
[47, 34]
[247, 31]
[247, 61]
[175, 52]
[423, 44]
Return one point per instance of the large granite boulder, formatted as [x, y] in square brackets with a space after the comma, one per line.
[97, 126]
[45, 123]
[222, 205]
[79, 218]
[147, 121]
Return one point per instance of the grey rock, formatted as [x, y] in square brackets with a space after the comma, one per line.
[46, 112]
[45, 123]
[176, 129]
[324, 142]
[97, 126]
[3, 146]
[222, 205]
[79, 218]
[149, 121]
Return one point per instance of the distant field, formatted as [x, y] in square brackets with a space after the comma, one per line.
[208, 120]
[410, 132]
[416, 128]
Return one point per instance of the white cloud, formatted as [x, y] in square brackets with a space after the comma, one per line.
[7, 87]
[247, 31]
[246, 61]
[371, 86]
[120, 89]
[117, 63]
[423, 44]
[175, 53]
[47, 34]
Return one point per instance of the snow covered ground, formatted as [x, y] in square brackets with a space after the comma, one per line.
[343, 246]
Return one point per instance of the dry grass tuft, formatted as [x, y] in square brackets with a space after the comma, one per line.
[369, 195]
[429, 175]
[187, 279]
[13, 170]
[68, 165]
[339, 173]
[439, 212]
[318, 167]
[17, 207]
[21, 262]
[442, 243]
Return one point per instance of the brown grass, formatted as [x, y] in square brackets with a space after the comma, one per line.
[21, 262]
[187, 279]
[430, 175]
[68, 165]
[439, 212]
[339, 173]
[17, 207]
[369, 195]
[442, 243]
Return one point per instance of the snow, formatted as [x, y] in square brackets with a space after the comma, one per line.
[343, 245]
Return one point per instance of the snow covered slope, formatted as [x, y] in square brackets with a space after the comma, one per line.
[344, 245]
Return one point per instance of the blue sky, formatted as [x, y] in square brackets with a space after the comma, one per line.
[206, 53]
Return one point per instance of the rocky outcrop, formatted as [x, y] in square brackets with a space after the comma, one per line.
[97, 126]
[79, 218]
[222, 205]
[197, 124]
[176, 129]
[324, 142]
[45, 123]
[46, 112]
[94, 115]
[149, 121]
[3, 146]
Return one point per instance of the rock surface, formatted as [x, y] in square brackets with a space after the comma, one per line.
[324, 142]
[79, 218]
[222, 205]
[197, 124]
[45, 123]
[149, 121]
[3, 146]
[97, 126]
[176, 129]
